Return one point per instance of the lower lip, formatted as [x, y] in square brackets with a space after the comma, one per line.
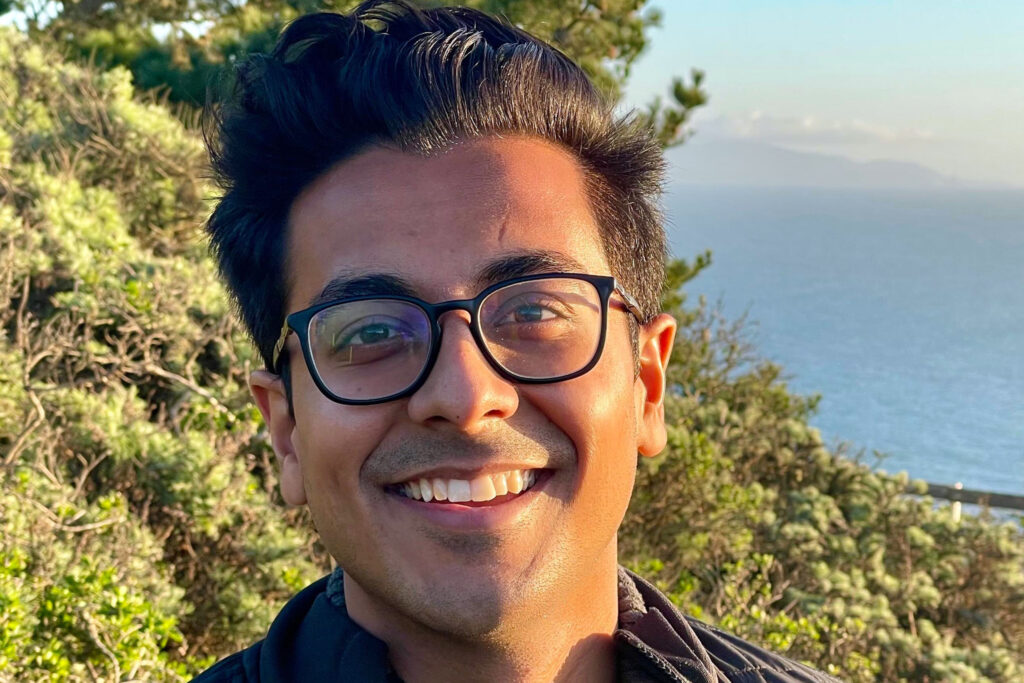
[477, 516]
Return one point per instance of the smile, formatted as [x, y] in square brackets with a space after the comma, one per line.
[480, 489]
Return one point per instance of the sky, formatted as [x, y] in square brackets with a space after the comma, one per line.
[938, 83]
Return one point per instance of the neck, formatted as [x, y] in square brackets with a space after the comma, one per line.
[569, 638]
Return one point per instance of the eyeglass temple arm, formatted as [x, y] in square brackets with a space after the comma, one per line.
[631, 304]
[279, 346]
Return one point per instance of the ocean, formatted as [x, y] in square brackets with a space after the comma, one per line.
[903, 309]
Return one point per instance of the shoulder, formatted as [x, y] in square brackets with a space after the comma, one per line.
[741, 660]
[240, 667]
[660, 643]
[245, 666]
[312, 639]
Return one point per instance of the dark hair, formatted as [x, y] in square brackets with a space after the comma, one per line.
[418, 80]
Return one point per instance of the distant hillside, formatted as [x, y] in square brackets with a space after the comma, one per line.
[743, 162]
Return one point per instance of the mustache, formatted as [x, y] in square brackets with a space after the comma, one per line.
[547, 447]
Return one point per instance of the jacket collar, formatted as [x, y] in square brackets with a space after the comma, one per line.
[654, 640]
[314, 638]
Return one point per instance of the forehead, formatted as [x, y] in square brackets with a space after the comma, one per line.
[438, 221]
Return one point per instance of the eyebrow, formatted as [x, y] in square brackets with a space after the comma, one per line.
[392, 284]
[526, 263]
[368, 284]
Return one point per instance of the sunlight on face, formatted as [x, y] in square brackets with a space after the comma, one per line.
[435, 223]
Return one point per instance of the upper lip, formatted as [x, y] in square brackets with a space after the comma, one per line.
[466, 472]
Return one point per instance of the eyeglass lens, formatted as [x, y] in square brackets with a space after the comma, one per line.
[535, 329]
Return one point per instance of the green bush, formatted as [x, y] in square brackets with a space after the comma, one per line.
[143, 534]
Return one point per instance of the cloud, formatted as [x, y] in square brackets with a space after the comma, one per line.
[807, 130]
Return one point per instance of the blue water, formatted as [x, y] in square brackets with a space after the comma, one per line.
[903, 309]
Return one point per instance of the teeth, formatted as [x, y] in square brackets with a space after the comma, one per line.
[481, 489]
[459, 491]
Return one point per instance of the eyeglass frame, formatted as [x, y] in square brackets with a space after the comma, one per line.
[299, 322]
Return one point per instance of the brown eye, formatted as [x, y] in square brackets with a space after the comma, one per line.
[374, 333]
[532, 313]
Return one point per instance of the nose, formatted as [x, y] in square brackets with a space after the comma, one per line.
[462, 388]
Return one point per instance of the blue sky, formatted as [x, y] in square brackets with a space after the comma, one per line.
[939, 83]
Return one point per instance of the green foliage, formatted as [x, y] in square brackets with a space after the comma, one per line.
[139, 539]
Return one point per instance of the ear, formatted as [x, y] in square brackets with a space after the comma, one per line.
[655, 348]
[268, 391]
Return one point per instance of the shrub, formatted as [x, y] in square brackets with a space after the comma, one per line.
[141, 535]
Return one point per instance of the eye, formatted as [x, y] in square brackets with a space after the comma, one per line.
[531, 309]
[369, 340]
[531, 313]
[373, 333]
[368, 332]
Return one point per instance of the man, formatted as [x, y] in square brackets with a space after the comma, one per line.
[449, 254]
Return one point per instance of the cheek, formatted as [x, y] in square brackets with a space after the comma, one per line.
[333, 440]
[598, 413]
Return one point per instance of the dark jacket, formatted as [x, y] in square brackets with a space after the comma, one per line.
[313, 639]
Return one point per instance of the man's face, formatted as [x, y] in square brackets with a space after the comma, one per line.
[437, 223]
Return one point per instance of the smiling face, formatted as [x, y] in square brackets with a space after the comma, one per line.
[445, 227]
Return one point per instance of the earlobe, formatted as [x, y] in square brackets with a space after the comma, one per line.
[655, 348]
[269, 393]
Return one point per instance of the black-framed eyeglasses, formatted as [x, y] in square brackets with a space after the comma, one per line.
[533, 330]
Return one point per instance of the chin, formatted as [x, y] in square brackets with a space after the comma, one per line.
[475, 602]
[473, 609]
